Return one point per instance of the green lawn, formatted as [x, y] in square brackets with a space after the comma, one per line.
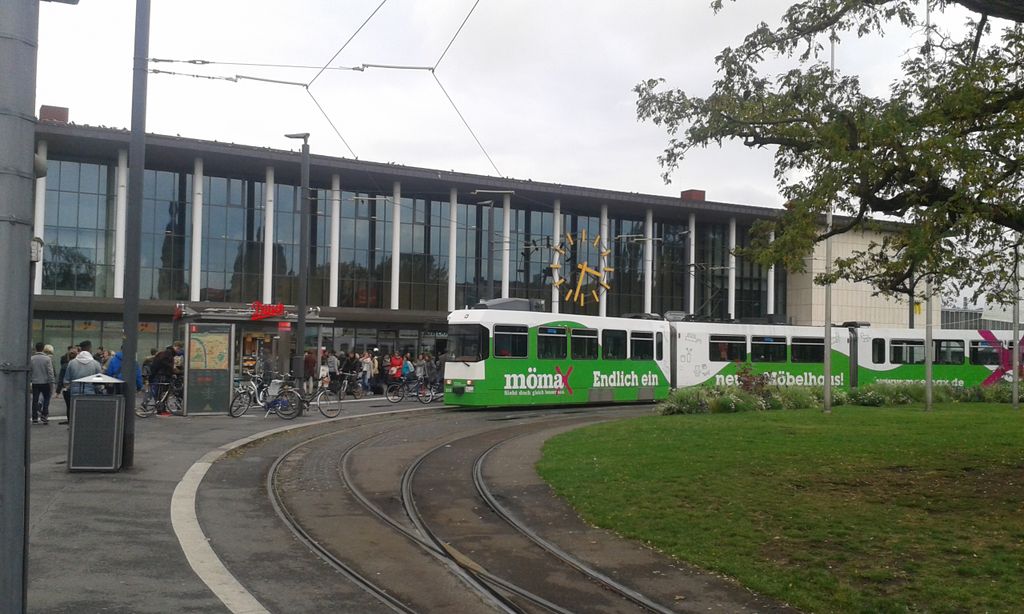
[863, 510]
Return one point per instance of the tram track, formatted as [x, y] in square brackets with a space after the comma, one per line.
[440, 513]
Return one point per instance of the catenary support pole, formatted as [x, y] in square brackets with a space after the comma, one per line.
[133, 224]
[298, 366]
[196, 265]
[18, 33]
[929, 347]
[1015, 360]
[692, 295]
[770, 307]
[732, 268]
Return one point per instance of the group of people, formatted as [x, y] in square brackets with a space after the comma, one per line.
[79, 362]
[370, 370]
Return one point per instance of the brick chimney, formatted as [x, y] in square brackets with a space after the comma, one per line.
[53, 114]
[693, 195]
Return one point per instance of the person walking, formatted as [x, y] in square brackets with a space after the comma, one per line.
[332, 369]
[83, 365]
[309, 371]
[365, 368]
[43, 379]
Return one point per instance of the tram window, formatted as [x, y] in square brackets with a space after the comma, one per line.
[808, 349]
[467, 342]
[641, 345]
[551, 343]
[584, 344]
[878, 351]
[984, 354]
[768, 349]
[949, 352]
[906, 352]
[510, 341]
[659, 346]
[727, 348]
[614, 344]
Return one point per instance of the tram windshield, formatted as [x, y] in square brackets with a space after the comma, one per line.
[467, 343]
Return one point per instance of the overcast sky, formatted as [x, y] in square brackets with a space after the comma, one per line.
[546, 86]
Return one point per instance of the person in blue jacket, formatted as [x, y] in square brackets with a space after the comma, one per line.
[114, 370]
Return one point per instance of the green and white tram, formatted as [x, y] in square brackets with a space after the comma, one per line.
[502, 358]
[498, 357]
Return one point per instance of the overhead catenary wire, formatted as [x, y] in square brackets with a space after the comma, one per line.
[331, 122]
[452, 41]
[338, 52]
[202, 62]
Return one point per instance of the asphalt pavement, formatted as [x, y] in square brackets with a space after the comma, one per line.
[103, 542]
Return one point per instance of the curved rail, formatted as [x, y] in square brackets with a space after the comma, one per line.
[598, 577]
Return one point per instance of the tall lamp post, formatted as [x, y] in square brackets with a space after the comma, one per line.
[300, 324]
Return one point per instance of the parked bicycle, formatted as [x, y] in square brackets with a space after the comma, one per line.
[327, 401]
[398, 390]
[250, 391]
[160, 397]
[281, 399]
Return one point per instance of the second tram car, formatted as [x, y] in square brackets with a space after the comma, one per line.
[505, 358]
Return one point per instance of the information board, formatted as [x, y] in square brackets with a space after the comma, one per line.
[208, 368]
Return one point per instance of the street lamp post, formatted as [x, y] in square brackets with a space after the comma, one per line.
[300, 324]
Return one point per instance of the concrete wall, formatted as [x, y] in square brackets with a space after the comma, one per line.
[850, 301]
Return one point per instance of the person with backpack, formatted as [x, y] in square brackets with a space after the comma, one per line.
[113, 369]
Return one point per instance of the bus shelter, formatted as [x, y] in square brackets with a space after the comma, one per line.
[222, 343]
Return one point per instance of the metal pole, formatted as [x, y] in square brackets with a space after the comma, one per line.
[133, 223]
[300, 325]
[19, 26]
[828, 317]
[929, 350]
[1015, 361]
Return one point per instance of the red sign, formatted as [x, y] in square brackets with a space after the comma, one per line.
[284, 326]
[262, 312]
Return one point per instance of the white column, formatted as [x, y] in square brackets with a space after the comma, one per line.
[602, 261]
[556, 274]
[332, 300]
[771, 281]
[120, 220]
[693, 262]
[648, 260]
[506, 239]
[197, 231]
[453, 246]
[39, 224]
[396, 240]
[268, 237]
[732, 268]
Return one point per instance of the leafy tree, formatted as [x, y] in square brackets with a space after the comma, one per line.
[942, 152]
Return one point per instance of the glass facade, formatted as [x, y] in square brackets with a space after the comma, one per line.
[80, 224]
[78, 259]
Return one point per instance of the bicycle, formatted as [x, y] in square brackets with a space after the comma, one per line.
[253, 391]
[349, 384]
[397, 391]
[159, 397]
[327, 401]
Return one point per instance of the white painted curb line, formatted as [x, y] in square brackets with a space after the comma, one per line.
[195, 543]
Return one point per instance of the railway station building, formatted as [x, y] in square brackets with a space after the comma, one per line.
[393, 248]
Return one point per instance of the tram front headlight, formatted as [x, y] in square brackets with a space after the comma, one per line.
[447, 382]
[469, 382]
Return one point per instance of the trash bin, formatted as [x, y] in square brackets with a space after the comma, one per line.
[97, 428]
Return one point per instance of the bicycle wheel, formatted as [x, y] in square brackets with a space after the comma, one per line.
[287, 404]
[357, 391]
[424, 393]
[240, 404]
[173, 404]
[328, 403]
[395, 392]
[147, 407]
